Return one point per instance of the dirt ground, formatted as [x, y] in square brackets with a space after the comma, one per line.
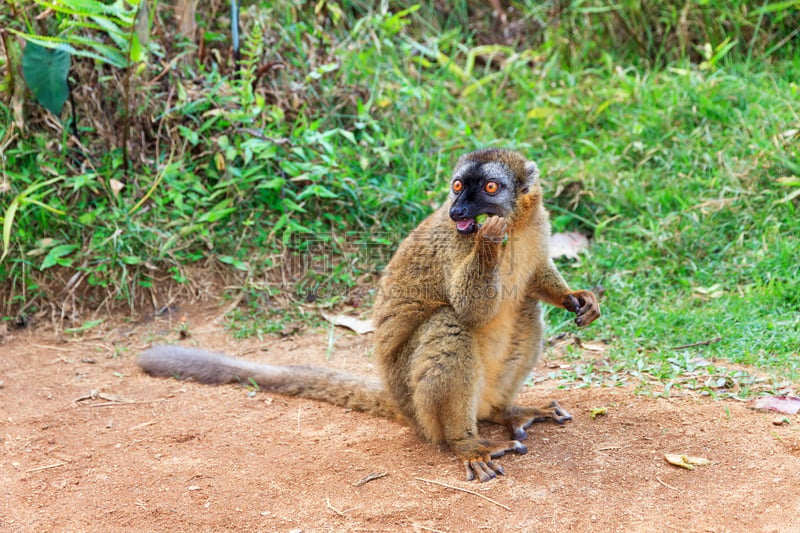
[90, 443]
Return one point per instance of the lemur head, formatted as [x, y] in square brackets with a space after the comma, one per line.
[489, 181]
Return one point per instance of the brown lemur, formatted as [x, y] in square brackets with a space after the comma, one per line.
[457, 316]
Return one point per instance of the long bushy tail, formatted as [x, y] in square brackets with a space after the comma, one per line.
[329, 385]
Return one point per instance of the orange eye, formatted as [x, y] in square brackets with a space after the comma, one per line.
[457, 186]
[491, 187]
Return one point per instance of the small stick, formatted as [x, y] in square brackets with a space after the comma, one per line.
[57, 348]
[701, 343]
[667, 485]
[334, 509]
[39, 468]
[143, 424]
[117, 404]
[234, 304]
[507, 508]
[428, 528]
[371, 477]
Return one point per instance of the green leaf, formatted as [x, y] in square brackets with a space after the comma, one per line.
[218, 212]
[85, 326]
[8, 223]
[22, 199]
[777, 6]
[317, 190]
[293, 206]
[56, 253]
[85, 8]
[45, 71]
[274, 183]
[239, 265]
[105, 53]
[280, 223]
[141, 34]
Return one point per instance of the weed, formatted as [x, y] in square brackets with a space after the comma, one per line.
[666, 132]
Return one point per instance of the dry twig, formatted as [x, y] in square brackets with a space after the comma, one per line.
[667, 485]
[428, 528]
[371, 477]
[143, 424]
[506, 507]
[334, 509]
[701, 343]
[46, 467]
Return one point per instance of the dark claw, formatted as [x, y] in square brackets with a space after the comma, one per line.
[470, 473]
[485, 473]
[573, 302]
[520, 448]
[496, 468]
[562, 415]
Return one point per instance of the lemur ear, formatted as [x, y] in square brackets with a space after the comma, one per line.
[531, 175]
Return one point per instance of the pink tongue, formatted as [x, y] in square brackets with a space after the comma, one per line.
[464, 224]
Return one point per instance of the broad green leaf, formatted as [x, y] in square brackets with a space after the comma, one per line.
[45, 71]
[56, 253]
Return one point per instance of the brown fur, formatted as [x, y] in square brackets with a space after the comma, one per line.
[458, 328]
[459, 324]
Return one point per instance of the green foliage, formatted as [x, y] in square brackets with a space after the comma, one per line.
[581, 32]
[45, 71]
[82, 24]
[673, 145]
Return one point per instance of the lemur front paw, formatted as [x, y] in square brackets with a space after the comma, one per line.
[585, 306]
[493, 230]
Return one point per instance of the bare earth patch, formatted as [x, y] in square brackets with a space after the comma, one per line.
[147, 454]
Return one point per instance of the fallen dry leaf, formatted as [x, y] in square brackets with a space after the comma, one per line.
[788, 405]
[356, 324]
[598, 411]
[568, 244]
[116, 186]
[685, 461]
[706, 293]
[594, 346]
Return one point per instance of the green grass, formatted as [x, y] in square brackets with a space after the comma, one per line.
[681, 166]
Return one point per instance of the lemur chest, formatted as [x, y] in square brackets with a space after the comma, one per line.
[496, 339]
[496, 348]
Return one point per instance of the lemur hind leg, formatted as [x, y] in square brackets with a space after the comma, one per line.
[525, 354]
[444, 376]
